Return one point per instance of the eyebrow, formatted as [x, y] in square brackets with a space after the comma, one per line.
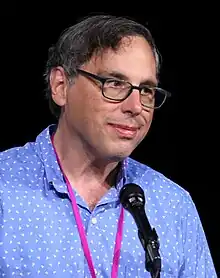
[121, 76]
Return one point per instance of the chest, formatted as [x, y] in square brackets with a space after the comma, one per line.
[92, 195]
[43, 239]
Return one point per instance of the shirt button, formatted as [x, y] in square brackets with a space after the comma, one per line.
[94, 220]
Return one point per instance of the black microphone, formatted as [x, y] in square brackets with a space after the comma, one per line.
[132, 199]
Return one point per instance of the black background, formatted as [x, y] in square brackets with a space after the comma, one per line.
[182, 142]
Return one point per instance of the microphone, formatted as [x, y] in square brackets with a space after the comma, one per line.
[132, 199]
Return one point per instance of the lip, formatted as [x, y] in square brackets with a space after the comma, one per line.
[125, 131]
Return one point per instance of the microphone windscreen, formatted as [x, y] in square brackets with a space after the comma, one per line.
[131, 195]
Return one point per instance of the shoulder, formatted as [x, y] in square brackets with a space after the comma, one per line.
[156, 184]
[166, 200]
[25, 160]
[18, 166]
[13, 158]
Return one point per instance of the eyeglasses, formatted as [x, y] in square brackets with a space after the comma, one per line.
[118, 90]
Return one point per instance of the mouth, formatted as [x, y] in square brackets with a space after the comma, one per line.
[124, 131]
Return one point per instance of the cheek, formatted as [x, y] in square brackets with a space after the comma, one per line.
[148, 120]
[87, 107]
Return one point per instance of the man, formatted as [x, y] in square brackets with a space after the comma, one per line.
[102, 78]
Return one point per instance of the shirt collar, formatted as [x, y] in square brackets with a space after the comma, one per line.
[45, 151]
[54, 175]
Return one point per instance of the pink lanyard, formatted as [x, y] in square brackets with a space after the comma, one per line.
[83, 235]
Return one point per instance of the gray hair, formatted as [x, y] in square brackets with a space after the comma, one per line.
[77, 44]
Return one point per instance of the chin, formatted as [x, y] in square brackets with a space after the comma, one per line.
[119, 152]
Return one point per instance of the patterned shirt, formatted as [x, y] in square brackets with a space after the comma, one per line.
[39, 235]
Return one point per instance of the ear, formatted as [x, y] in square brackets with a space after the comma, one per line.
[59, 84]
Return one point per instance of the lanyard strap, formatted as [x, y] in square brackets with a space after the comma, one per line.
[84, 240]
[82, 233]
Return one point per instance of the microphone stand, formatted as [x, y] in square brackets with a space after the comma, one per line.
[152, 256]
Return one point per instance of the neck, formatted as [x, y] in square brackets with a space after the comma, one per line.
[89, 176]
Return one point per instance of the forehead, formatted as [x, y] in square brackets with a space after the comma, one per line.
[134, 58]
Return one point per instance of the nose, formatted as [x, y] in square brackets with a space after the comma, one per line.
[132, 104]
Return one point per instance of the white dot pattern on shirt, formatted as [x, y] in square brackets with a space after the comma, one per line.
[38, 233]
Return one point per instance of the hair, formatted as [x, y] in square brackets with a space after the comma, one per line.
[94, 34]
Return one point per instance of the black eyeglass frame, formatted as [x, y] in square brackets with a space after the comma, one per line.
[102, 80]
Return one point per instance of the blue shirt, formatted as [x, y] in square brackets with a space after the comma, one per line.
[39, 236]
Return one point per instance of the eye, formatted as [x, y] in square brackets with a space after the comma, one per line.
[148, 91]
[114, 83]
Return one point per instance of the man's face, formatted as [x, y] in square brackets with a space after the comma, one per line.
[111, 130]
